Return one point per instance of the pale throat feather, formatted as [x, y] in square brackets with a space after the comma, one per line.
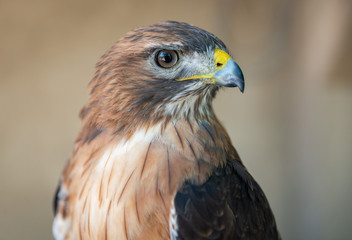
[189, 104]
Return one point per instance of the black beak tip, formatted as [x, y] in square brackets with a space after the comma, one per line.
[237, 82]
[241, 86]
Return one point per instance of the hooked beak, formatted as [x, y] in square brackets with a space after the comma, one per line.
[230, 76]
[227, 74]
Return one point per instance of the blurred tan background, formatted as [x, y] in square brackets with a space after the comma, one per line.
[292, 126]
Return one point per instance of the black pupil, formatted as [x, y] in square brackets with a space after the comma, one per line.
[166, 57]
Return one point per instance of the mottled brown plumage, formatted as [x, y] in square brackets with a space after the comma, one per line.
[152, 161]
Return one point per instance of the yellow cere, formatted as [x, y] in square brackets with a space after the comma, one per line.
[220, 59]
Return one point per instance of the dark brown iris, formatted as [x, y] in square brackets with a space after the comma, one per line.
[166, 58]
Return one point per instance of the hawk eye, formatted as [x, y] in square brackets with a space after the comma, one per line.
[166, 58]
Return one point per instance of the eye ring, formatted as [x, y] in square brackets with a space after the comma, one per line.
[166, 58]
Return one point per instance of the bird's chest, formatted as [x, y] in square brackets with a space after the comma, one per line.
[126, 192]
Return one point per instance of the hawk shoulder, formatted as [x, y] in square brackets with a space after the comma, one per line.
[229, 205]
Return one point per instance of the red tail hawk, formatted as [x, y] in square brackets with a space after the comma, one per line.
[152, 161]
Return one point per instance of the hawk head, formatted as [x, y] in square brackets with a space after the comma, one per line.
[155, 73]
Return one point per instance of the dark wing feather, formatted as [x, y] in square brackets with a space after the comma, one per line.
[56, 199]
[229, 205]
